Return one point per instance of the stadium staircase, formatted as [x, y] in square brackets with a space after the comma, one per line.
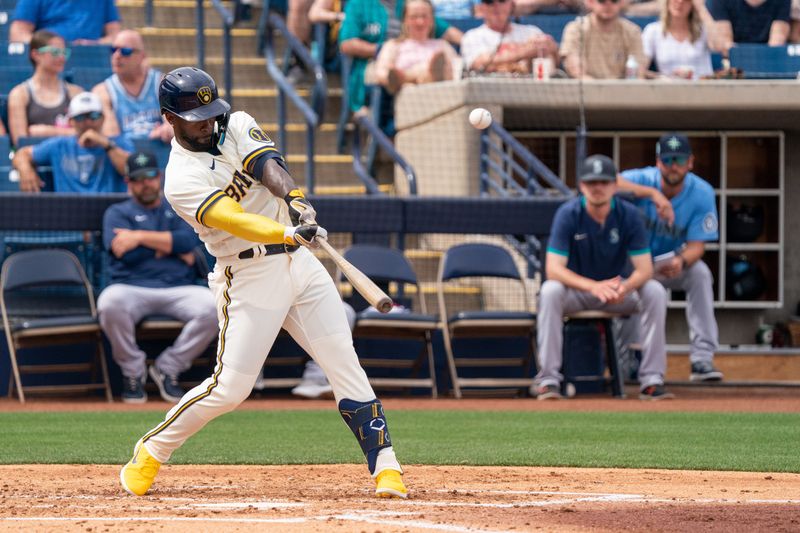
[171, 42]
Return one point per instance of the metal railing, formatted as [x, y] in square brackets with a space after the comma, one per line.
[504, 166]
[509, 169]
[313, 111]
[227, 25]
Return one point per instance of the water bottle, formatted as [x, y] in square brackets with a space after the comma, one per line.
[631, 68]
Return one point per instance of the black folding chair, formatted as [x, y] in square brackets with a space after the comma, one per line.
[480, 268]
[46, 300]
[390, 268]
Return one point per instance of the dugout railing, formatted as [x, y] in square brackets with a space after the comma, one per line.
[313, 111]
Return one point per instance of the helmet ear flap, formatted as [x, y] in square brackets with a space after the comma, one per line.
[221, 128]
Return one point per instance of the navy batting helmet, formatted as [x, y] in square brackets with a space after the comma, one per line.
[191, 94]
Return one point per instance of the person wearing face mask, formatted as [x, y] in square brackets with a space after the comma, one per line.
[681, 215]
[152, 271]
[87, 162]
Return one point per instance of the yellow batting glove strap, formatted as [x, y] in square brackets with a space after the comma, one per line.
[296, 193]
[229, 216]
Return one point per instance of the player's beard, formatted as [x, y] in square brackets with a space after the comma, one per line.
[195, 145]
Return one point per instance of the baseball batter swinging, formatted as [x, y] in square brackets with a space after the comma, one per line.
[226, 178]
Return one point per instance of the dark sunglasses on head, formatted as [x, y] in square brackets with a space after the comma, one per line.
[604, 1]
[675, 159]
[94, 115]
[55, 51]
[124, 50]
[490, 2]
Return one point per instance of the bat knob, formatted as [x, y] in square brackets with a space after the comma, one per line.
[385, 305]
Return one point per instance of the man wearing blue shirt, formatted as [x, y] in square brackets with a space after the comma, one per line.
[682, 228]
[77, 21]
[598, 258]
[87, 162]
[152, 273]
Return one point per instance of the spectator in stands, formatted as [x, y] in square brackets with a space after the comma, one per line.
[500, 45]
[599, 44]
[87, 162]
[678, 41]
[367, 25]
[680, 212]
[750, 21]
[416, 56]
[298, 22]
[38, 106]
[130, 95]
[77, 22]
[152, 271]
[598, 258]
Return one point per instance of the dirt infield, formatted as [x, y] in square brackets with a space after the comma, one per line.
[456, 499]
[443, 498]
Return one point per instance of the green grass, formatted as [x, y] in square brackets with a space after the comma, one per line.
[712, 441]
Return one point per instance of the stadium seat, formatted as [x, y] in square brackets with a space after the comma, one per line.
[46, 299]
[13, 76]
[95, 56]
[387, 266]
[465, 24]
[759, 61]
[87, 77]
[491, 268]
[551, 24]
[13, 55]
[157, 148]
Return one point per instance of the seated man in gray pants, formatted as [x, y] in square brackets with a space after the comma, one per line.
[598, 258]
[681, 213]
[152, 273]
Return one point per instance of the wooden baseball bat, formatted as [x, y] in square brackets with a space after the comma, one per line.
[360, 282]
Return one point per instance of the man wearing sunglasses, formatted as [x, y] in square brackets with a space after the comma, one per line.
[152, 271]
[597, 45]
[87, 162]
[678, 234]
[130, 94]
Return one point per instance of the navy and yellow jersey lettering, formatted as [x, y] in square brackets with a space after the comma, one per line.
[195, 181]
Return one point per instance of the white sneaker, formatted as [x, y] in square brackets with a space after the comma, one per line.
[312, 389]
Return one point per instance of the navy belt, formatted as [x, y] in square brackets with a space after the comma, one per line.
[266, 249]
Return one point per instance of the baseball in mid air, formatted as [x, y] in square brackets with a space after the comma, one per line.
[480, 118]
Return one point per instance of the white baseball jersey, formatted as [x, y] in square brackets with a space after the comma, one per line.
[196, 180]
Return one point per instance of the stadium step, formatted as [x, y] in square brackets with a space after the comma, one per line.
[183, 41]
[181, 13]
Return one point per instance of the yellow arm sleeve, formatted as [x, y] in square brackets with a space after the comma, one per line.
[229, 216]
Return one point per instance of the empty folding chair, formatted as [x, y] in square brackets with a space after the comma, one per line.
[387, 266]
[480, 265]
[46, 300]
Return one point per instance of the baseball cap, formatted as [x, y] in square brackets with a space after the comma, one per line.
[141, 165]
[83, 103]
[597, 168]
[673, 144]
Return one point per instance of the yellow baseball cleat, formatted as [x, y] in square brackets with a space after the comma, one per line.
[389, 484]
[137, 476]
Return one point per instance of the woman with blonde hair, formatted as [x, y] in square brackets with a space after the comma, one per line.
[37, 107]
[678, 41]
[416, 56]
